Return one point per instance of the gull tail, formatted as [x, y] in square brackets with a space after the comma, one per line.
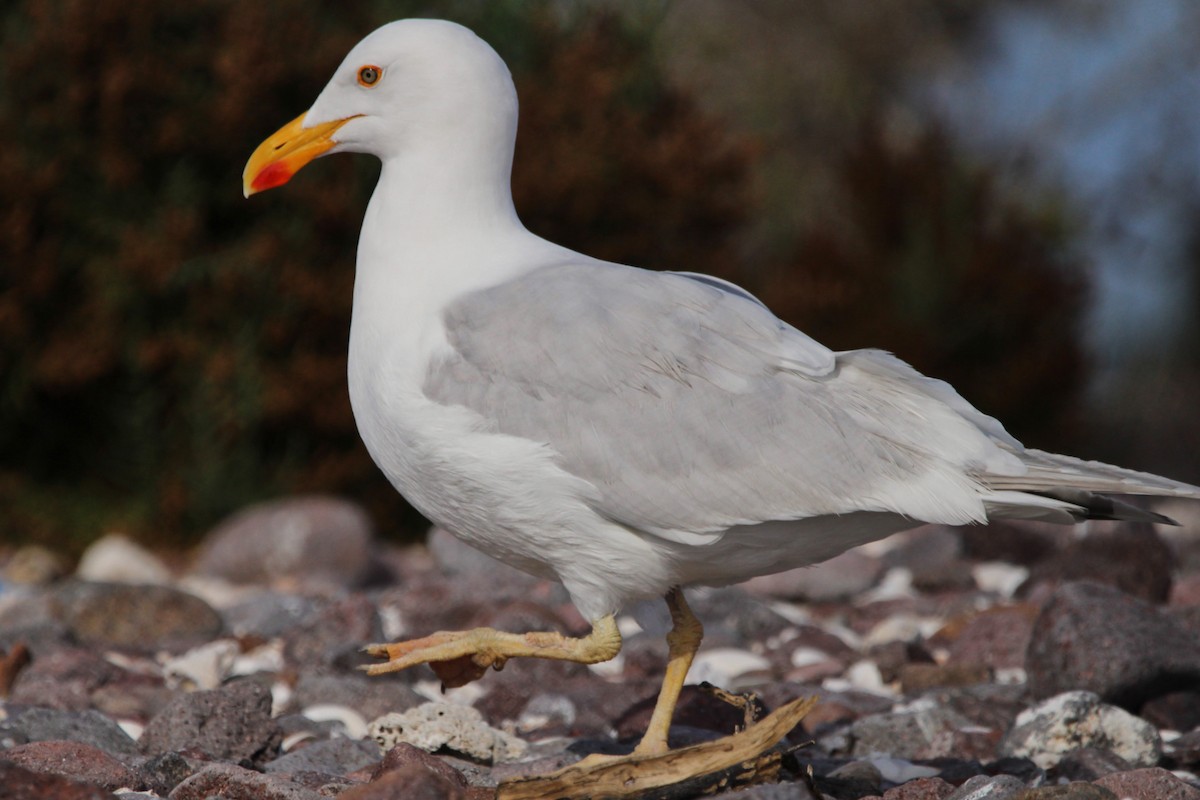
[1064, 489]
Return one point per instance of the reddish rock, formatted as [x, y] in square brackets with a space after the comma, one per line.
[1127, 556]
[18, 783]
[403, 756]
[1153, 783]
[74, 760]
[235, 783]
[64, 679]
[1096, 638]
[997, 637]
[412, 781]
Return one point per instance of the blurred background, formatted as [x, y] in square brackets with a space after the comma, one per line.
[1005, 193]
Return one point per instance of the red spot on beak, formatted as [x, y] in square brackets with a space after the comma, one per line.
[276, 174]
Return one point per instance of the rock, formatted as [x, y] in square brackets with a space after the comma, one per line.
[335, 635]
[85, 727]
[838, 578]
[405, 755]
[314, 541]
[232, 723]
[1127, 556]
[1073, 720]
[1176, 711]
[696, 709]
[988, 787]
[916, 678]
[1185, 749]
[203, 667]
[333, 756]
[268, 614]
[1024, 543]
[18, 783]
[135, 617]
[734, 617]
[115, 559]
[412, 781]
[163, 773]
[236, 783]
[928, 732]
[433, 726]
[1148, 784]
[547, 712]
[1095, 638]
[33, 565]
[370, 697]
[457, 559]
[66, 679]
[730, 668]
[74, 760]
[1086, 764]
[1070, 791]
[997, 637]
[920, 789]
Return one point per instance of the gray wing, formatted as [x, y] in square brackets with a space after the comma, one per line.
[692, 409]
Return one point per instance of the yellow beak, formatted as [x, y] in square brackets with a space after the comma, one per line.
[285, 153]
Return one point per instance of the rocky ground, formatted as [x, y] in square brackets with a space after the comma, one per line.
[1000, 663]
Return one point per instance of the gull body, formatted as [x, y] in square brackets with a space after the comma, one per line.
[622, 431]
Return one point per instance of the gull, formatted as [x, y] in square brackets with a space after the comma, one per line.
[625, 432]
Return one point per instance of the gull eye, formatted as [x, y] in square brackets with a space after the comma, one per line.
[369, 75]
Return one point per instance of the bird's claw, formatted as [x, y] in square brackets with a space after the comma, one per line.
[449, 654]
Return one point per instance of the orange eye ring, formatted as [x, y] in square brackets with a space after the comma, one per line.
[369, 75]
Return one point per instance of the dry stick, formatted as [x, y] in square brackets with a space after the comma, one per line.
[631, 776]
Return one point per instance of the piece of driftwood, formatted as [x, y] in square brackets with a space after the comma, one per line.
[738, 760]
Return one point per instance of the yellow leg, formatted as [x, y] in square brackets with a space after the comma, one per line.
[459, 657]
[682, 642]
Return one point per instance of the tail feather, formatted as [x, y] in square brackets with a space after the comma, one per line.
[1067, 487]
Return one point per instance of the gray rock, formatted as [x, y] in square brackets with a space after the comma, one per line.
[334, 636]
[87, 727]
[232, 723]
[988, 787]
[268, 614]
[163, 773]
[337, 756]
[135, 617]
[1069, 721]
[456, 558]
[929, 732]
[317, 541]
[235, 783]
[370, 697]
[1096, 638]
